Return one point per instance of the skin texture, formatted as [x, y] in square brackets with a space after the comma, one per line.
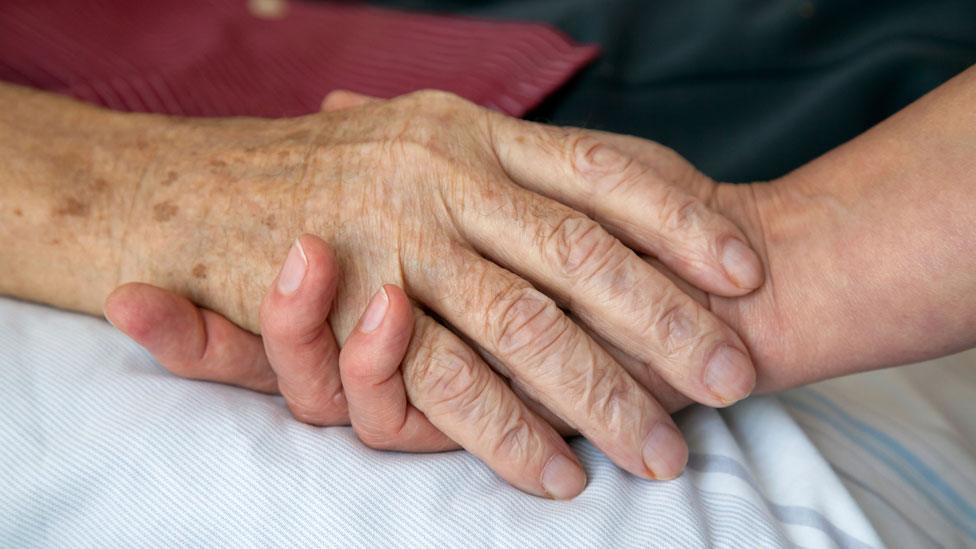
[837, 236]
[424, 192]
[870, 199]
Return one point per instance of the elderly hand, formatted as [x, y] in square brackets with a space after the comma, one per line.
[438, 203]
[447, 200]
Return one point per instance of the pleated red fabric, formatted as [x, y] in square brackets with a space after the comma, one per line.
[218, 58]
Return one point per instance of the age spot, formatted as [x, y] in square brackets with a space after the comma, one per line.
[101, 185]
[164, 211]
[270, 222]
[217, 163]
[73, 207]
[170, 178]
[199, 271]
[18, 212]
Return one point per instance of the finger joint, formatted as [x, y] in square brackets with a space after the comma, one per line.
[580, 248]
[525, 322]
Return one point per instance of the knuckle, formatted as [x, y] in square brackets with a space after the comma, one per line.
[601, 394]
[580, 247]
[524, 322]
[515, 438]
[437, 96]
[606, 167]
[590, 155]
[414, 145]
[620, 283]
[453, 384]
[434, 108]
[676, 328]
[581, 383]
[612, 406]
[681, 212]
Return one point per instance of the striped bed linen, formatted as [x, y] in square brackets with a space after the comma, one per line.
[99, 446]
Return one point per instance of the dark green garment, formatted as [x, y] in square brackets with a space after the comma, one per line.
[747, 90]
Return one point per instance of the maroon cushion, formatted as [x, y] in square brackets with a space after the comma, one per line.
[216, 58]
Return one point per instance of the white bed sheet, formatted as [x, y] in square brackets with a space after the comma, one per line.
[99, 446]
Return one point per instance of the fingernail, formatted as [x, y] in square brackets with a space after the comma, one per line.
[562, 479]
[293, 271]
[375, 312]
[665, 452]
[741, 264]
[729, 374]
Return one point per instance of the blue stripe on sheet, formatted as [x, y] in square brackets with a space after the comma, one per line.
[930, 474]
[787, 514]
[904, 517]
[909, 467]
[917, 463]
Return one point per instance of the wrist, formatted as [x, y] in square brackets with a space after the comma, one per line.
[70, 172]
[216, 211]
[791, 230]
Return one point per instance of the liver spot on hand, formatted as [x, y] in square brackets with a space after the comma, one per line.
[199, 271]
[72, 207]
[164, 211]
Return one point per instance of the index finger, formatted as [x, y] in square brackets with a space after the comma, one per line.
[641, 205]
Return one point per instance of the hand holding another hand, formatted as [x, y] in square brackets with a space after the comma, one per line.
[448, 201]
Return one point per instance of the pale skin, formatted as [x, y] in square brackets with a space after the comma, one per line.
[868, 253]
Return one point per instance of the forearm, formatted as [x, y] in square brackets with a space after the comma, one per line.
[68, 173]
[90, 199]
[870, 249]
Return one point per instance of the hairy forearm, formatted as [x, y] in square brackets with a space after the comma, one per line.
[870, 249]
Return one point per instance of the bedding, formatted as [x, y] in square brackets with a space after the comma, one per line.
[100, 446]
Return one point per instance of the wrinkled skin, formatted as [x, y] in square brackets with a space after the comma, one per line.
[892, 209]
[445, 200]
